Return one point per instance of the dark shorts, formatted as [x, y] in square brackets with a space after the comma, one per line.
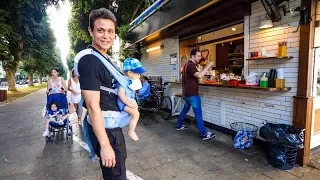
[118, 144]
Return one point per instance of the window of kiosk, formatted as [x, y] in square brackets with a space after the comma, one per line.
[224, 48]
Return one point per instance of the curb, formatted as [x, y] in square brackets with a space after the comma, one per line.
[20, 98]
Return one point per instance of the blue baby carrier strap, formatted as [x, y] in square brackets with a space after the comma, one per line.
[114, 71]
[107, 62]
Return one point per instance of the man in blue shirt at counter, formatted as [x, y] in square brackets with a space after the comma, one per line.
[145, 90]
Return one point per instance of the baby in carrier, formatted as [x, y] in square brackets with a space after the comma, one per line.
[132, 69]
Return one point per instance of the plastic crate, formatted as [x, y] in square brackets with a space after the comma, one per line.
[282, 157]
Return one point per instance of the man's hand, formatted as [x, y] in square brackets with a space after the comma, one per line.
[108, 157]
[204, 71]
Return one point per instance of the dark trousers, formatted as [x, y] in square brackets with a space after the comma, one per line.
[118, 144]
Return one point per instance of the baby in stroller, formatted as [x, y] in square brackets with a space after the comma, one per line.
[56, 114]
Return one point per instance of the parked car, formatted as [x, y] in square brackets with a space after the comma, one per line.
[35, 81]
[4, 83]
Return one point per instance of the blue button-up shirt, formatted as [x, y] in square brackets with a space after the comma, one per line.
[144, 91]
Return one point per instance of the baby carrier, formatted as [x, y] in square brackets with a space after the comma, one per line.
[120, 78]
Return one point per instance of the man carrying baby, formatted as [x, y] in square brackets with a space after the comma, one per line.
[105, 129]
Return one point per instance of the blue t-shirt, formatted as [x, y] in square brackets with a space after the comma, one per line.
[144, 91]
[51, 112]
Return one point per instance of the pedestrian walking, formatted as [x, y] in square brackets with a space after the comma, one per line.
[55, 85]
[74, 88]
[190, 94]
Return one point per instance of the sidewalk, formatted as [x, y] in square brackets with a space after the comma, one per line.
[164, 153]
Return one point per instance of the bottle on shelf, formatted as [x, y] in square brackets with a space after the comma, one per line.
[243, 81]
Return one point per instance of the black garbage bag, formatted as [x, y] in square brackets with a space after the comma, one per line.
[282, 134]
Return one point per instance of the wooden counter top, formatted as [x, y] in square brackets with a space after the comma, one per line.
[286, 89]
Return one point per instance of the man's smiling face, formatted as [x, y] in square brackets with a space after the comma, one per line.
[103, 33]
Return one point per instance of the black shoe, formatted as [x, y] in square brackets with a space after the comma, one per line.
[209, 135]
[183, 127]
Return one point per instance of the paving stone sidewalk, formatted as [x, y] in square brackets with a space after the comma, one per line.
[166, 154]
[162, 153]
[24, 154]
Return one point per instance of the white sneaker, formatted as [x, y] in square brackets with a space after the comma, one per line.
[45, 133]
[60, 122]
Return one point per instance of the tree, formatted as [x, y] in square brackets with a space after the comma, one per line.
[70, 61]
[18, 24]
[125, 11]
[124, 53]
[42, 55]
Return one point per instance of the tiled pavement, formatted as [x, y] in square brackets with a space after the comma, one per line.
[24, 154]
[161, 153]
[164, 153]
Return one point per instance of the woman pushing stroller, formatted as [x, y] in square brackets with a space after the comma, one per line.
[56, 85]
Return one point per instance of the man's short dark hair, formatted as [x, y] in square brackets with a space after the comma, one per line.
[194, 52]
[101, 13]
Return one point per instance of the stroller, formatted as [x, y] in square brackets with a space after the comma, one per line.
[54, 127]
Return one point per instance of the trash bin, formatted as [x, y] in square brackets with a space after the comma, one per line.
[245, 134]
[282, 157]
[284, 141]
[3, 95]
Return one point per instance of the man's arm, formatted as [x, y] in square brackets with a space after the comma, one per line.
[200, 74]
[92, 99]
[90, 83]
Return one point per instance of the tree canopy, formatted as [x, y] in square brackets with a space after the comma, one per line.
[125, 11]
[26, 38]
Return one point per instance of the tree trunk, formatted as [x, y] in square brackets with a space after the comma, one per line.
[11, 77]
[12, 67]
[30, 76]
[40, 78]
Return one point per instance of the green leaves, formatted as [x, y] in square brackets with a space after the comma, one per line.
[26, 39]
[78, 24]
[70, 61]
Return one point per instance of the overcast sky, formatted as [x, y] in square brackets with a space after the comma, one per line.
[59, 23]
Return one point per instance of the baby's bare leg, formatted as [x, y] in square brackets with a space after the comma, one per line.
[133, 122]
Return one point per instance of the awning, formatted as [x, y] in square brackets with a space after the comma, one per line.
[183, 19]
